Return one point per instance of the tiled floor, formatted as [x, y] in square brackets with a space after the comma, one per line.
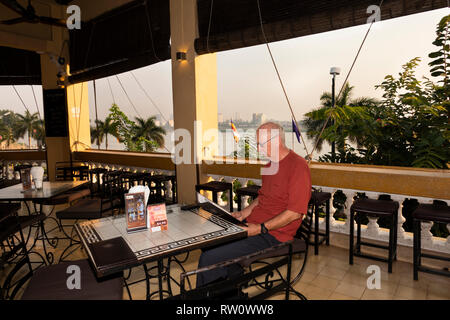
[327, 276]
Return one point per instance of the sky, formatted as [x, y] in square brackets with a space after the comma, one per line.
[247, 82]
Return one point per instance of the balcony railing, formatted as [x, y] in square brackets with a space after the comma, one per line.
[423, 185]
[153, 163]
[13, 158]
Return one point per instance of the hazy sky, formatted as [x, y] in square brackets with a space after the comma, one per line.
[247, 82]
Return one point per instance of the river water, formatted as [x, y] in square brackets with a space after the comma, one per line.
[227, 145]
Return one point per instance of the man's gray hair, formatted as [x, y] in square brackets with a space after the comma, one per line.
[274, 126]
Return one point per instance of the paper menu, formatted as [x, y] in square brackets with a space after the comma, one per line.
[136, 214]
[157, 217]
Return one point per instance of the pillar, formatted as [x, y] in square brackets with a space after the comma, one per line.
[194, 85]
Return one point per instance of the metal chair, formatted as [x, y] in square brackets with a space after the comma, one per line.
[50, 283]
[15, 247]
[110, 199]
[270, 262]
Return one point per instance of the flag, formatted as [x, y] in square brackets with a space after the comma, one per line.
[235, 133]
[295, 129]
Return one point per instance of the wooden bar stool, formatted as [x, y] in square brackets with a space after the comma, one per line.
[374, 208]
[251, 191]
[435, 212]
[215, 187]
[98, 174]
[159, 188]
[318, 199]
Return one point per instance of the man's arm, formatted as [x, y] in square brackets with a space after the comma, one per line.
[244, 213]
[276, 222]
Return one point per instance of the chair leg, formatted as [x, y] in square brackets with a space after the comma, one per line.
[316, 229]
[395, 236]
[215, 197]
[231, 199]
[391, 244]
[327, 223]
[358, 233]
[416, 235]
[239, 202]
[352, 231]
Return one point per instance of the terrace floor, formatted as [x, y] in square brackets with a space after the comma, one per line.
[327, 276]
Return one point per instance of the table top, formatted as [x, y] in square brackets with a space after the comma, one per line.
[49, 190]
[187, 230]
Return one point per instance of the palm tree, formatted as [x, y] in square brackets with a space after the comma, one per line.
[148, 130]
[39, 133]
[347, 119]
[8, 125]
[102, 130]
[96, 134]
[25, 124]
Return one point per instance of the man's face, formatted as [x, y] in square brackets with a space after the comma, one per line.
[267, 141]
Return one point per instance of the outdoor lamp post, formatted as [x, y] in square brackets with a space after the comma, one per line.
[334, 71]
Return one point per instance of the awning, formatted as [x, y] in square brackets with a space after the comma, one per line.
[19, 67]
[235, 23]
[129, 37]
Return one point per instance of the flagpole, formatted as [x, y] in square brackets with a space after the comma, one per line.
[293, 144]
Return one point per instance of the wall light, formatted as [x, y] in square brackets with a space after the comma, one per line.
[181, 56]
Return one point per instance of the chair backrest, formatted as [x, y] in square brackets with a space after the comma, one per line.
[70, 171]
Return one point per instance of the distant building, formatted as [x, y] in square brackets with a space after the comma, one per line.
[220, 117]
[258, 118]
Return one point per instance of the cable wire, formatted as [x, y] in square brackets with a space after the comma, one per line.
[279, 76]
[148, 96]
[128, 97]
[343, 85]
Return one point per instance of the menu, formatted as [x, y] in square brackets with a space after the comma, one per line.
[135, 212]
[158, 217]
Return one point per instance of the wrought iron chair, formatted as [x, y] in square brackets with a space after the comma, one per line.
[109, 200]
[266, 263]
[50, 283]
[15, 248]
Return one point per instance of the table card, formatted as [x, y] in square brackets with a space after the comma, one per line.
[135, 211]
[157, 216]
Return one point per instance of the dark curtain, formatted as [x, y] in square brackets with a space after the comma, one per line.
[235, 23]
[129, 37]
[18, 67]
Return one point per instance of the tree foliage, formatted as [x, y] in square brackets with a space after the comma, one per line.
[408, 127]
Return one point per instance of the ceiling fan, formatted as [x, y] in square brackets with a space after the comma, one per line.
[29, 15]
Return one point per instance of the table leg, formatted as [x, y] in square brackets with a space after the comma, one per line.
[160, 279]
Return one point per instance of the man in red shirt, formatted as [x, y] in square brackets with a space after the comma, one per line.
[276, 214]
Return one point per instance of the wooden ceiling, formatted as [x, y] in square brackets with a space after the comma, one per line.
[235, 23]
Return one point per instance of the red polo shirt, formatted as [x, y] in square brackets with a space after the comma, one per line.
[288, 189]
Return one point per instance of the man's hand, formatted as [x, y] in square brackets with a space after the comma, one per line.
[252, 229]
[238, 215]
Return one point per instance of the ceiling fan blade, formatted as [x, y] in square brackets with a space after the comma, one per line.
[14, 21]
[53, 21]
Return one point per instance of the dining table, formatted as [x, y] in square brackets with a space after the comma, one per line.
[112, 249]
[16, 193]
